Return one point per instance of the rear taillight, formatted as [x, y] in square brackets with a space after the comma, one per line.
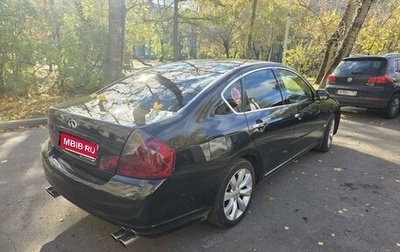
[108, 164]
[331, 78]
[383, 79]
[145, 157]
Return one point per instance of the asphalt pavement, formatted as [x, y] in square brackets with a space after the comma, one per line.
[343, 200]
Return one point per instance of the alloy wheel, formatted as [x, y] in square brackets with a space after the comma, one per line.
[394, 106]
[331, 132]
[237, 194]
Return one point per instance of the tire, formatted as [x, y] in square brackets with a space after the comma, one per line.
[234, 196]
[326, 141]
[393, 107]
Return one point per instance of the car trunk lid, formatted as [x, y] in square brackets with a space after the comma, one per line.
[81, 143]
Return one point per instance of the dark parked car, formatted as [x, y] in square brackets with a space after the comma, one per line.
[368, 81]
[183, 142]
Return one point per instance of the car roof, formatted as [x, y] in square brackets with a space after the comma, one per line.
[241, 62]
[374, 56]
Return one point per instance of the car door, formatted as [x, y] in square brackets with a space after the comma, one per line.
[270, 121]
[306, 109]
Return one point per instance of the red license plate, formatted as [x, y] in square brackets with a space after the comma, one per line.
[78, 145]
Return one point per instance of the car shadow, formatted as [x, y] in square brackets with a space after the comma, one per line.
[319, 202]
[369, 116]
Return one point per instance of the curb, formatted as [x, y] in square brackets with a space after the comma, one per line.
[16, 124]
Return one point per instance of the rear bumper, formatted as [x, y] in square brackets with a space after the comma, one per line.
[365, 102]
[367, 97]
[131, 203]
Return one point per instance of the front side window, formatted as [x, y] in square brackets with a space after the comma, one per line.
[261, 90]
[296, 88]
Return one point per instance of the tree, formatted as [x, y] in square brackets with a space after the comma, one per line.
[225, 20]
[116, 37]
[342, 41]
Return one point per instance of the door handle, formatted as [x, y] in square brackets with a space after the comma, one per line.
[259, 125]
[299, 116]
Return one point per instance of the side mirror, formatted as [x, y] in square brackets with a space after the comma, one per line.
[322, 94]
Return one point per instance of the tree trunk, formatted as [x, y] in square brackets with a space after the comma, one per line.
[350, 39]
[249, 51]
[2, 87]
[334, 41]
[175, 32]
[116, 37]
[227, 47]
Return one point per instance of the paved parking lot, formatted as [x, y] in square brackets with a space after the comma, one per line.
[344, 200]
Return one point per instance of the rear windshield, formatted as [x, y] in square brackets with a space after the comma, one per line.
[167, 87]
[152, 94]
[366, 66]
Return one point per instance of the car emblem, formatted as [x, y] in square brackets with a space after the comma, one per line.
[349, 79]
[72, 123]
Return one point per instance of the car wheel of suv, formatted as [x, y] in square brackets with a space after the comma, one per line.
[392, 108]
[233, 198]
[326, 141]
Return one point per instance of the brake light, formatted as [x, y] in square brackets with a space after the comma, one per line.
[383, 79]
[331, 78]
[145, 157]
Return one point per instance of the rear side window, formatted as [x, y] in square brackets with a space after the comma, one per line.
[232, 96]
[368, 66]
[397, 66]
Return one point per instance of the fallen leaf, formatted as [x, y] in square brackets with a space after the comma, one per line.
[338, 169]
[270, 199]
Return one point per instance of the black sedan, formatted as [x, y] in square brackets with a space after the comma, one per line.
[183, 142]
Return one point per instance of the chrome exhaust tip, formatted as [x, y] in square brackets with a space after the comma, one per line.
[117, 235]
[128, 239]
[52, 191]
[125, 236]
